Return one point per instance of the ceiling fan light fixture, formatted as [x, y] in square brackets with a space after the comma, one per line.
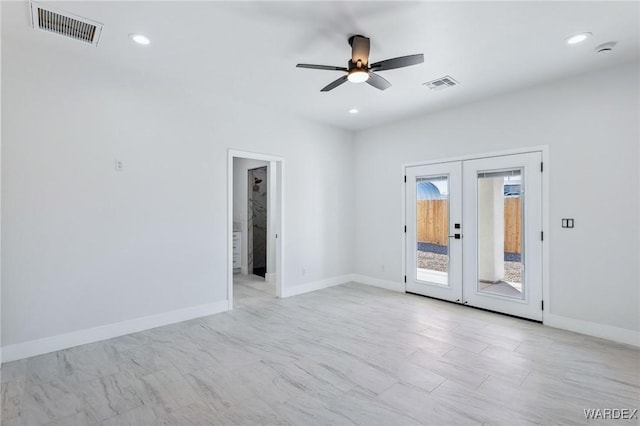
[358, 75]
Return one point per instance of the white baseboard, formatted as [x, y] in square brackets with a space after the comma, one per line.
[617, 334]
[81, 337]
[316, 285]
[270, 277]
[90, 335]
[377, 282]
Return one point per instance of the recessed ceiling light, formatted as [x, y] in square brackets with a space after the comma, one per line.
[140, 39]
[353, 111]
[578, 38]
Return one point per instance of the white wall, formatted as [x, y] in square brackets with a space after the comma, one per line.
[86, 246]
[591, 124]
[240, 198]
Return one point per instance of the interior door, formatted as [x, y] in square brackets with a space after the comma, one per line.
[433, 231]
[502, 245]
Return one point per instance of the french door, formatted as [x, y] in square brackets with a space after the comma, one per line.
[434, 211]
[474, 233]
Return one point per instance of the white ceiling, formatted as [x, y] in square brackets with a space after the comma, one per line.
[248, 50]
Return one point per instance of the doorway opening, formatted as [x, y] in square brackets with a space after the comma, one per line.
[255, 227]
[257, 211]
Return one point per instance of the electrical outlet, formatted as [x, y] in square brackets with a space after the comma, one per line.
[119, 165]
[567, 223]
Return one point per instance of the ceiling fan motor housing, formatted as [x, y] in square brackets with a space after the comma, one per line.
[354, 36]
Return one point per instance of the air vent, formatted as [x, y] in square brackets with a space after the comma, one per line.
[46, 18]
[441, 83]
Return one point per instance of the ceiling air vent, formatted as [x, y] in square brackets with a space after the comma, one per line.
[441, 83]
[46, 18]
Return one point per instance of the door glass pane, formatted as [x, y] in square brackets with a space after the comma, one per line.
[500, 231]
[432, 227]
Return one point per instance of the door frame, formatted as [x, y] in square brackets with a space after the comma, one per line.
[544, 150]
[275, 216]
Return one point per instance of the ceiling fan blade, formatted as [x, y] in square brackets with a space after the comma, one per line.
[403, 61]
[360, 49]
[378, 82]
[334, 84]
[321, 67]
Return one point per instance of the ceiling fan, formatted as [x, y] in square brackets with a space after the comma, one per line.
[359, 69]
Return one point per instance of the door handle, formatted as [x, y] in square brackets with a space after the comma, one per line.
[456, 236]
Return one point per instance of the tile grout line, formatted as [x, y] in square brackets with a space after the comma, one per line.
[439, 384]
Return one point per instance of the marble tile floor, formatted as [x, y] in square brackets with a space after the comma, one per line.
[251, 289]
[346, 355]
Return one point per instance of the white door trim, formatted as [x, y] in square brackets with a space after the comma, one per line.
[275, 216]
[540, 148]
[544, 149]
